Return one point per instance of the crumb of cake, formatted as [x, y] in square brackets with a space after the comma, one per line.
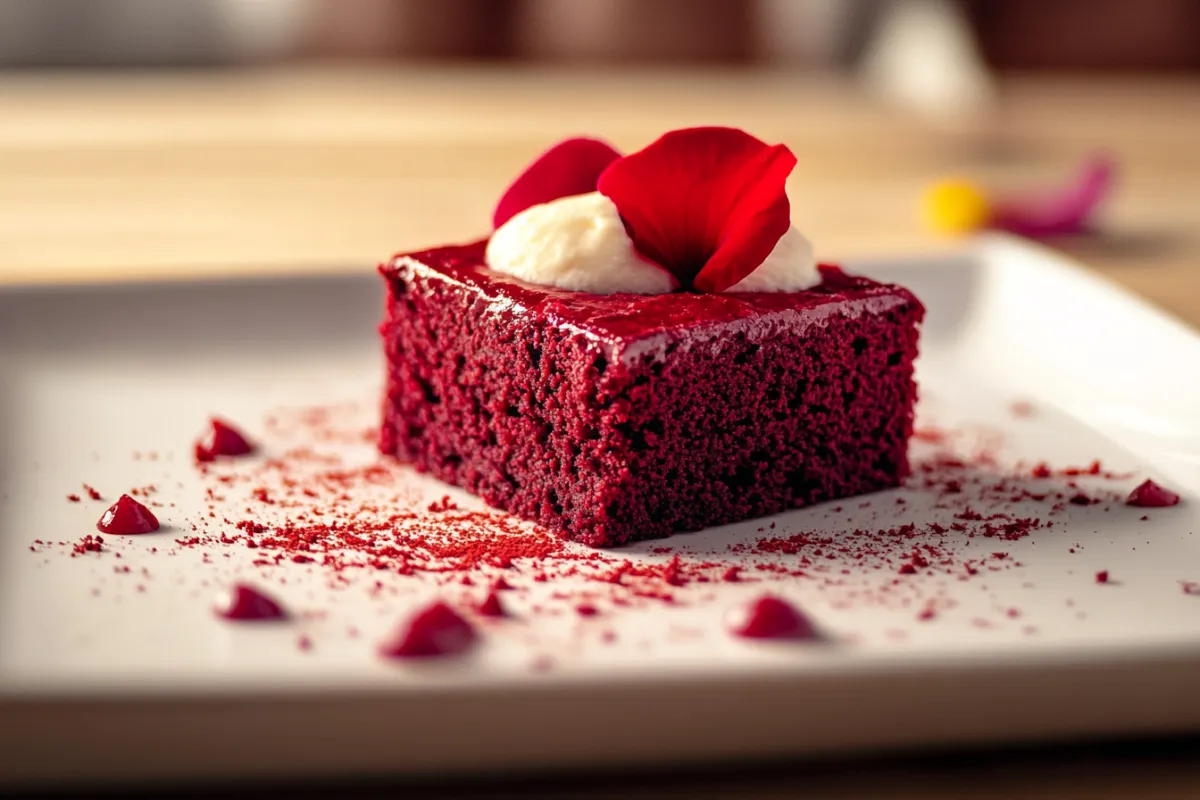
[88, 544]
[1102, 576]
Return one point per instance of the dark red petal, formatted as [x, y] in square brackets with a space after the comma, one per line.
[708, 204]
[570, 167]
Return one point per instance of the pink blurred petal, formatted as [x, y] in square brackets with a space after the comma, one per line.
[1059, 213]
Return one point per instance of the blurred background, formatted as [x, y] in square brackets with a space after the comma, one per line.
[184, 138]
[1011, 34]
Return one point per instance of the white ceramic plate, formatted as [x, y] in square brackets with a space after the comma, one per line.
[102, 680]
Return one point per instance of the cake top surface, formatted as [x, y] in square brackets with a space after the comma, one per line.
[635, 325]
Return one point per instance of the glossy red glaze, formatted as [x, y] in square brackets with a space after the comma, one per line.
[1150, 495]
[770, 617]
[222, 439]
[243, 603]
[436, 630]
[127, 516]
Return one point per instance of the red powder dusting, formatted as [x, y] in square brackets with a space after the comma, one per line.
[92, 493]
[926, 614]
[1102, 576]
[74, 498]
[88, 544]
[445, 504]
[436, 630]
[770, 617]
[304, 643]
[586, 610]
[308, 505]
[1151, 495]
[127, 516]
[492, 607]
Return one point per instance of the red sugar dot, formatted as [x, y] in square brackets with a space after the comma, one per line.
[221, 439]
[127, 516]
[1102, 576]
[492, 607]
[436, 630]
[770, 617]
[242, 602]
[1151, 495]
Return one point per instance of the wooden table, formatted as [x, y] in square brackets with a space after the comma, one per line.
[130, 177]
[126, 176]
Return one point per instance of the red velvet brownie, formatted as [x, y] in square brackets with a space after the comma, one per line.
[619, 417]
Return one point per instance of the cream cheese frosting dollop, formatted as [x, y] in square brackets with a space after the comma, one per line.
[579, 243]
[576, 243]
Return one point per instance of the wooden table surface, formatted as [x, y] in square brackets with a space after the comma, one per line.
[130, 176]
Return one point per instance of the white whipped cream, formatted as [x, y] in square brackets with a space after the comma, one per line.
[789, 267]
[579, 243]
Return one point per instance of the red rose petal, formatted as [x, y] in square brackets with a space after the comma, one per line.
[708, 204]
[569, 168]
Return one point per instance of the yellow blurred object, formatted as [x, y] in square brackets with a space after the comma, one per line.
[955, 206]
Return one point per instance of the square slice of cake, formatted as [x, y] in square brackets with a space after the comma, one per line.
[615, 418]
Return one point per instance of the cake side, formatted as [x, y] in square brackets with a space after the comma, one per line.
[614, 435]
[755, 427]
[494, 399]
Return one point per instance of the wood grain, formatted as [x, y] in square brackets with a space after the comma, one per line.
[165, 176]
